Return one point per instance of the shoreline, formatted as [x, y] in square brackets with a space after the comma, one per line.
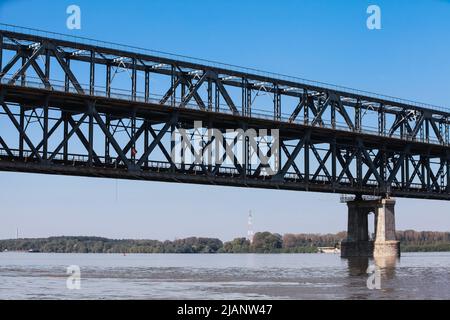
[261, 243]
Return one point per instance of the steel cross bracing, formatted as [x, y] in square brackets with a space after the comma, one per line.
[78, 109]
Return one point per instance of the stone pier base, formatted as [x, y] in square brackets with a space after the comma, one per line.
[357, 248]
[387, 249]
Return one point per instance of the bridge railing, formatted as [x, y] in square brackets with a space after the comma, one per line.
[214, 64]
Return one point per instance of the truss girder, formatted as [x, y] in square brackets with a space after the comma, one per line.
[328, 137]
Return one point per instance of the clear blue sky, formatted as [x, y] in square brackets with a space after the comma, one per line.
[324, 40]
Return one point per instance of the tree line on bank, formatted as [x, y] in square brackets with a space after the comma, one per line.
[263, 242]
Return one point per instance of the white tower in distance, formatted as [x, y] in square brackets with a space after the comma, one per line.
[250, 227]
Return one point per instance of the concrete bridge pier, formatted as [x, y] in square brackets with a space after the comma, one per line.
[358, 242]
[386, 244]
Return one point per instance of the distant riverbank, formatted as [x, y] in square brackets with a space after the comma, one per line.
[263, 242]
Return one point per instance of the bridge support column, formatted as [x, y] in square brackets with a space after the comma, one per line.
[386, 244]
[358, 243]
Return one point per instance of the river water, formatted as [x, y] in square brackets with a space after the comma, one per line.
[223, 276]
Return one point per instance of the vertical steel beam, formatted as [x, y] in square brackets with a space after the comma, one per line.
[147, 85]
[172, 84]
[217, 96]
[183, 89]
[333, 115]
[1, 52]
[108, 80]
[447, 140]
[133, 80]
[403, 169]
[172, 146]
[306, 151]
[107, 144]
[22, 126]
[407, 173]
[210, 95]
[45, 131]
[92, 74]
[133, 136]
[47, 65]
[358, 117]
[249, 100]
[146, 140]
[333, 161]
[65, 135]
[245, 150]
[91, 134]
[381, 121]
[244, 97]
[276, 103]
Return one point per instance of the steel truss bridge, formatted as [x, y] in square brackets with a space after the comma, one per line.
[85, 108]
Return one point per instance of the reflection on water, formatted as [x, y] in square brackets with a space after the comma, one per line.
[375, 273]
[386, 266]
[224, 276]
[358, 266]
